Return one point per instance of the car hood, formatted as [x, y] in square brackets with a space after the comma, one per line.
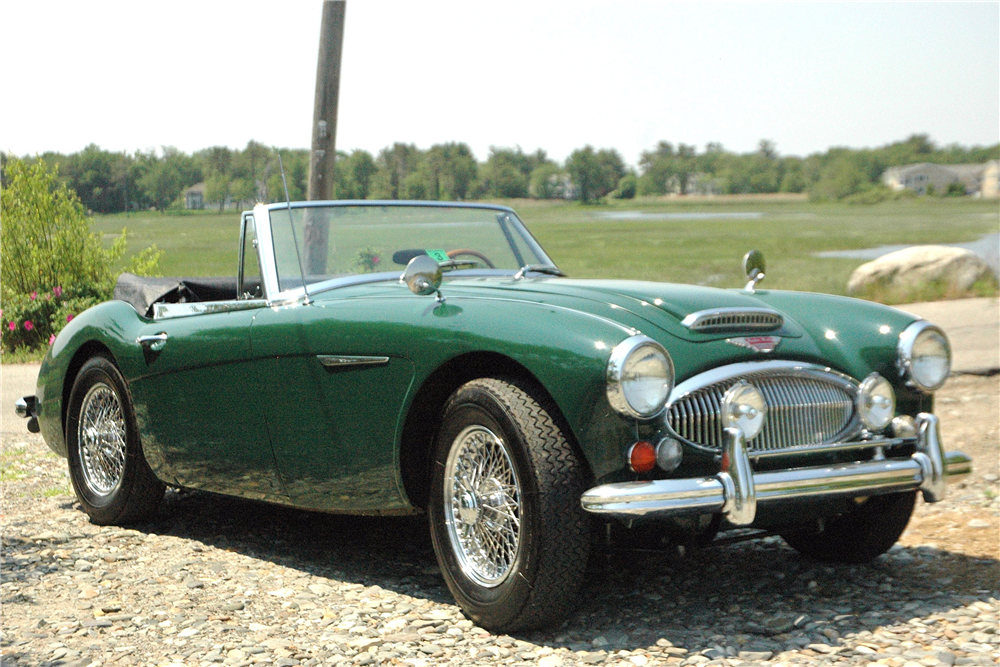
[854, 336]
[628, 301]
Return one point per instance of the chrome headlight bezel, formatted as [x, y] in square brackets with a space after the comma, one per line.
[875, 402]
[909, 342]
[617, 377]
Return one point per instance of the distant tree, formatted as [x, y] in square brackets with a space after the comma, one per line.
[252, 165]
[839, 178]
[595, 173]
[394, 164]
[218, 159]
[507, 172]
[354, 174]
[451, 171]
[545, 181]
[165, 178]
[218, 188]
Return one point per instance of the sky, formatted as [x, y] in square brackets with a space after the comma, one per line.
[554, 75]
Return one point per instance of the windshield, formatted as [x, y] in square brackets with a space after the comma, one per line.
[342, 241]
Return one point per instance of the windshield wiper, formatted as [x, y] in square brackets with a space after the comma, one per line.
[549, 269]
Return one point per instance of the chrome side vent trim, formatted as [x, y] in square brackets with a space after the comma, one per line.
[725, 320]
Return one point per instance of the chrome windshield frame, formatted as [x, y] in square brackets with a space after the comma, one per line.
[269, 272]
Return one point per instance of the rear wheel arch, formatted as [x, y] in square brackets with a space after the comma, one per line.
[85, 353]
[425, 411]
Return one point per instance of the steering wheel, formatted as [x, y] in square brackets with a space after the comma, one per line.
[452, 254]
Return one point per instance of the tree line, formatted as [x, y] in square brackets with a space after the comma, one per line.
[109, 182]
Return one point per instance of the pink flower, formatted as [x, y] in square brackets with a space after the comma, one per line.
[28, 325]
[11, 325]
[69, 318]
[34, 295]
[57, 291]
[52, 339]
[375, 259]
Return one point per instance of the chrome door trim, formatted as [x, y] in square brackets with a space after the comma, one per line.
[343, 360]
[169, 311]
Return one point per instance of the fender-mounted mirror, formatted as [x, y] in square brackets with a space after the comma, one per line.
[754, 266]
[422, 276]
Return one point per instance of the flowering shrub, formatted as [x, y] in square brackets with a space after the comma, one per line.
[369, 260]
[53, 266]
[33, 320]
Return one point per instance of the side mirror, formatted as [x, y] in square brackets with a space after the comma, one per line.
[422, 275]
[754, 266]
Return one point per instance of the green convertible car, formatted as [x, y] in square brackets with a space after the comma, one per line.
[395, 358]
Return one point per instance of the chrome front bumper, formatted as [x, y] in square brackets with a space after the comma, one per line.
[736, 490]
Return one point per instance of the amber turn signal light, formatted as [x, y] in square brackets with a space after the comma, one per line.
[641, 457]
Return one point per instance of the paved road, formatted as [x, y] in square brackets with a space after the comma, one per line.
[972, 325]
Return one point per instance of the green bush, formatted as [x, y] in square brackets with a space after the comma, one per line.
[875, 194]
[53, 266]
[956, 189]
[627, 187]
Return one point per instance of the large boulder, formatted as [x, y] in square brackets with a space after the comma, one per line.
[926, 271]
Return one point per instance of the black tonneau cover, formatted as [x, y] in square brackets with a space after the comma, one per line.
[142, 292]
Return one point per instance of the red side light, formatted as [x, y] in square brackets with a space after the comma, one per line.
[641, 457]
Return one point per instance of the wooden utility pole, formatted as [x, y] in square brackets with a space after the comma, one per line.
[324, 131]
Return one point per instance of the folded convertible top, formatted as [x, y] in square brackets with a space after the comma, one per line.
[142, 292]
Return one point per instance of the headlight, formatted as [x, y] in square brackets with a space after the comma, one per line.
[876, 402]
[924, 356]
[640, 376]
[744, 407]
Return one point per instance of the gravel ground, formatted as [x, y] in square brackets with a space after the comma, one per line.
[220, 581]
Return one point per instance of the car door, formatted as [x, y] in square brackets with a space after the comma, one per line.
[200, 425]
[334, 393]
[200, 422]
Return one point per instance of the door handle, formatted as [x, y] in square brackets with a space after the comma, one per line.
[152, 343]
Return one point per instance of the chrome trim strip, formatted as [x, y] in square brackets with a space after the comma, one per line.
[342, 360]
[827, 449]
[169, 311]
[736, 489]
[701, 321]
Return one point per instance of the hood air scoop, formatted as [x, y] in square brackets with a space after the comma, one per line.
[734, 320]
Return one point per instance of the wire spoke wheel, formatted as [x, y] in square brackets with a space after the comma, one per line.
[482, 505]
[101, 444]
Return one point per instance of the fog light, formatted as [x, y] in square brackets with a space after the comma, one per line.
[876, 402]
[641, 457]
[904, 427]
[744, 407]
[668, 454]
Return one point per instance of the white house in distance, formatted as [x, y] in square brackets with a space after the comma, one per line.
[978, 180]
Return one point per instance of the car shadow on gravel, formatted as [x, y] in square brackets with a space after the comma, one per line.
[757, 595]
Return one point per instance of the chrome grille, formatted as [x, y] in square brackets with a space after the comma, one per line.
[721, 320]
[806, 406]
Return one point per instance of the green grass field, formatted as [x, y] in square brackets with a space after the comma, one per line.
[583, 241]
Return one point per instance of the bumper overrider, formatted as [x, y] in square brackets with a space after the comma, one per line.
[736, 490]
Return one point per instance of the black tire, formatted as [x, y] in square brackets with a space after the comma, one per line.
[110, 475]
[869, 530]
[537, 580]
